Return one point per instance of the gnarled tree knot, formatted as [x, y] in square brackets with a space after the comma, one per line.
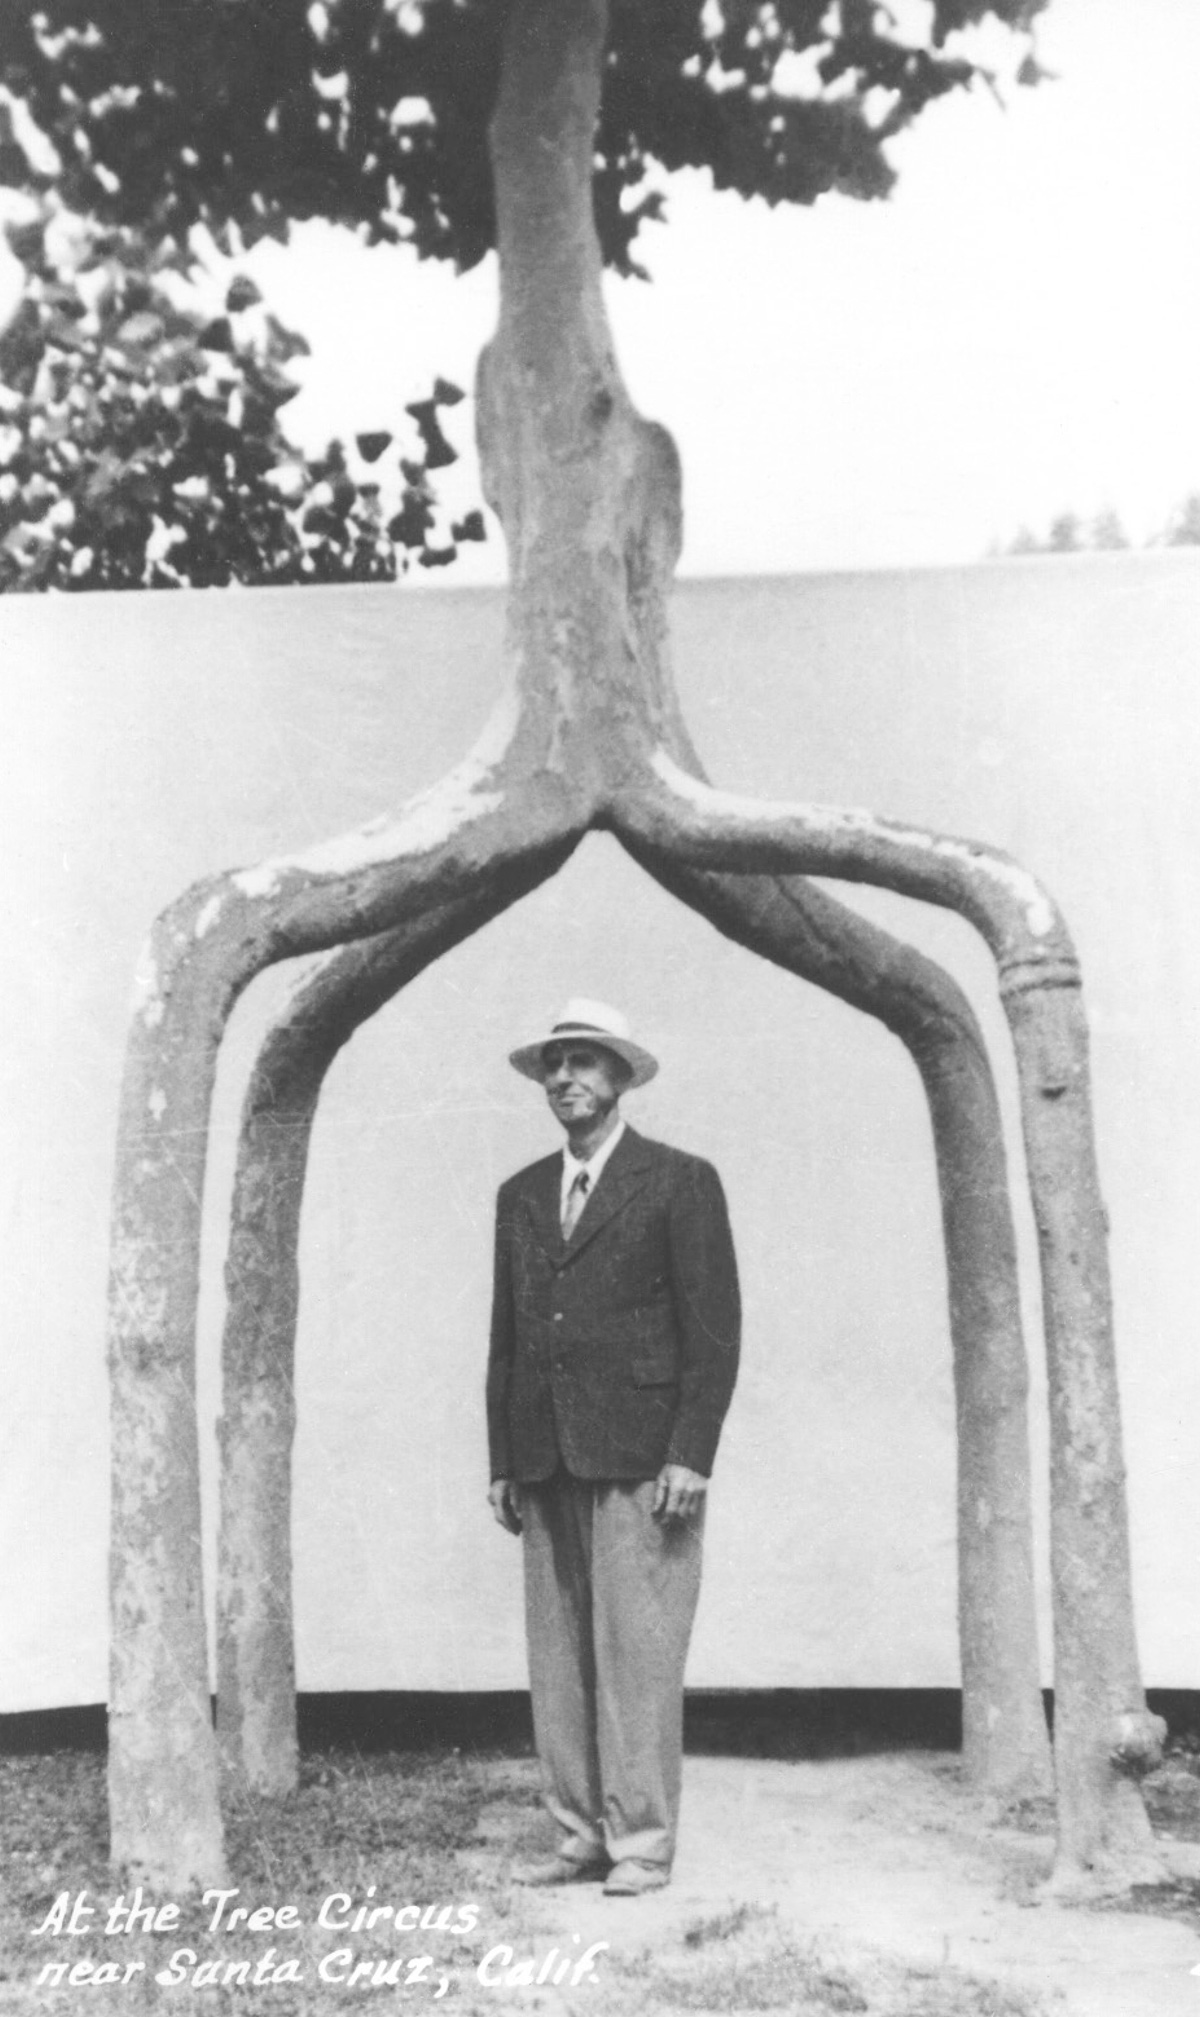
[1136, 1745]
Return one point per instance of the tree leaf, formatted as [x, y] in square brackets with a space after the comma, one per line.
[216, 335]
[243, 294]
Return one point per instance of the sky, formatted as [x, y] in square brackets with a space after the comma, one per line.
[1012, 334]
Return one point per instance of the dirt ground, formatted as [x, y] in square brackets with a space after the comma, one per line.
[883, 1857]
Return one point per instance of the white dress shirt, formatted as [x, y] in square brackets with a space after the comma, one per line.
[594, 1166]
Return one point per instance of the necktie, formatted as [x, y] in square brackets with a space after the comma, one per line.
[576, 1200]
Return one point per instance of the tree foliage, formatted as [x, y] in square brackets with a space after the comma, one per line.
[1066, 532]
[140, 440]
[374, 113]
[1104, 533]
[142, 450]
[1184, 528]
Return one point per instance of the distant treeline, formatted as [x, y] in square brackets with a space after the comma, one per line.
[1070, 532]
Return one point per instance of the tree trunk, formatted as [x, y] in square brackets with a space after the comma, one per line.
[256, 1690]
[588, 735]
[1104, 1738]
[162, 1769]
[793, 923]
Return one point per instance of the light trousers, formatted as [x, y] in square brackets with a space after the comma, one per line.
[610, 1595]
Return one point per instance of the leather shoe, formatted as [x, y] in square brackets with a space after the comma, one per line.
[629, 1879]
[559, 1870]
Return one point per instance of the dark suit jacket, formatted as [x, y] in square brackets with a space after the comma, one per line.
[615, 1351]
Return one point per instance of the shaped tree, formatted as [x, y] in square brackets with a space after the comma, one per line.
[534, 124]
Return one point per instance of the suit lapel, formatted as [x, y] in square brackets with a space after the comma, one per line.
[542, 1202]
[623, 1176]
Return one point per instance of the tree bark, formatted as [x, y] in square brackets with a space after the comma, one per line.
[165, 1817]
[1104, 1736]
[1006, 1749]
[165, 1822]
[587, 491]
[256, 1690]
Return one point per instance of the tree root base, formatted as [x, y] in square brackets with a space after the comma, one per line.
[1072, 1883]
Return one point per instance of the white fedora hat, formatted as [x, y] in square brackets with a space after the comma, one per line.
[590, 1022]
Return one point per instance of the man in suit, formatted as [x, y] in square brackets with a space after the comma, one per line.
[614, 1347]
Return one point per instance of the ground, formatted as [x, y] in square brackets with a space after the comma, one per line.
[872, 1883]
[884, 1860]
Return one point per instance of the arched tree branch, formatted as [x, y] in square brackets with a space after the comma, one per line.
[476, 827]
[799, 927]
[256, 1694]
[1103, 1734]
[719, 829]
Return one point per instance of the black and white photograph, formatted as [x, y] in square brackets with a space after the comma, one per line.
[600, 680]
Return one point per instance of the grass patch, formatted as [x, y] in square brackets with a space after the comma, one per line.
[1172, 1796]
[721, 1926]
[390, 1830]
[746, 1961]
[430, 1833]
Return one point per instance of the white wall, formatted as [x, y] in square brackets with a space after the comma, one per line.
[1049, 706]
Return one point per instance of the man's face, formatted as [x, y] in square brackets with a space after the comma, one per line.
[583, 1082]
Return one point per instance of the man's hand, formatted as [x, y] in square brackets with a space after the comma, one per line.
[678, 1492]
[505, 1504]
